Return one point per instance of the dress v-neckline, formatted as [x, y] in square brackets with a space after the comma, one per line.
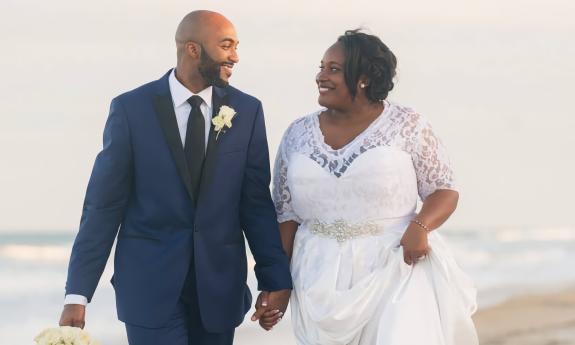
[321, 138]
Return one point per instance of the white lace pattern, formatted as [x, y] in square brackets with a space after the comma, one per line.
[397, 127]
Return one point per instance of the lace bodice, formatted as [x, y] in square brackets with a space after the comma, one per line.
[380, 173]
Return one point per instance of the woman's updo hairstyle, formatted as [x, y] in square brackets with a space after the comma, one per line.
[366, 55]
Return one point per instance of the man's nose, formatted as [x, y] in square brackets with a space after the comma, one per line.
[234, 56]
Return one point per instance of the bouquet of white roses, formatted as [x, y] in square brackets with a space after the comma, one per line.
[64, 335]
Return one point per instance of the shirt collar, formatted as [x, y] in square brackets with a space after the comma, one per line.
[180, 93]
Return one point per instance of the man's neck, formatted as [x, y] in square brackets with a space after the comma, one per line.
[194, 84]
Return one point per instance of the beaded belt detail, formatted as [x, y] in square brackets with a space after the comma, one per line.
[343, 231]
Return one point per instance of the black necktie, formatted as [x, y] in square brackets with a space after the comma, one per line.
[195, 143]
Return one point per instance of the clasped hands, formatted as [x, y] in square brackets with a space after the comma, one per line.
[270, 308]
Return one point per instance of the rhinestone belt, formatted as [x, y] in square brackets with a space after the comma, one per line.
[343, 231]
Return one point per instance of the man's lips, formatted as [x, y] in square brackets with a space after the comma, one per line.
[227, 68]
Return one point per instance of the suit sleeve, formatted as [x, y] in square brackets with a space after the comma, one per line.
[103, 211]
[258, 217]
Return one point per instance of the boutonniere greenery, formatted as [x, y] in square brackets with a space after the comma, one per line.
[223, 119]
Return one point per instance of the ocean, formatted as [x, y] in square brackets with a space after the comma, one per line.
[503, 262]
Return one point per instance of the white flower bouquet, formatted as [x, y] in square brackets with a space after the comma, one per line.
[64, 335]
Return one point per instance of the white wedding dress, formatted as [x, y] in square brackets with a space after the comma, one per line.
[351, 285]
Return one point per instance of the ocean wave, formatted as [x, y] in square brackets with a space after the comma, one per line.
[540, 234]
[496, 258]
[513, 234]
[45, 254]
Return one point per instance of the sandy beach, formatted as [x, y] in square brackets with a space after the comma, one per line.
[547, 319]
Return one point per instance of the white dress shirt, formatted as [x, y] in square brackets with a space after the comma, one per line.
[180, 95]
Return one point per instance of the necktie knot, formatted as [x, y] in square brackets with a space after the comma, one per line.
[195, 101]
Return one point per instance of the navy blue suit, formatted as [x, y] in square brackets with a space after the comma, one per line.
[140, 192]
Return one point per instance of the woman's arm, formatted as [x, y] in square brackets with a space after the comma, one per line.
[287, 233]
[436, 209]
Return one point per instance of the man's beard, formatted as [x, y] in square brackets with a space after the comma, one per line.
[210, 70]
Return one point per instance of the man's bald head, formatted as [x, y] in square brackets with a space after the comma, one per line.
[198, 26]
[206, 49]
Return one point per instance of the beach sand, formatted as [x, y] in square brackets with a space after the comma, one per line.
[546, 319]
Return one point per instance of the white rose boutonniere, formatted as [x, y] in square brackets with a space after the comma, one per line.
[223, 119]
[64, 335]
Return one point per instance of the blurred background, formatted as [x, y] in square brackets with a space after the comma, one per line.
[494, 77]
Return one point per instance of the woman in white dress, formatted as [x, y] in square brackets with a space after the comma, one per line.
[367, 269]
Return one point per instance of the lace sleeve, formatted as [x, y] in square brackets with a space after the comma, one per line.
[281, 194]
[432, 165]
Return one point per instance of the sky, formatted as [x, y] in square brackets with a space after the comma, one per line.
[494, 78]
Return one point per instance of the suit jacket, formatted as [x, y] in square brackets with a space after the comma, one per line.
[140, 192]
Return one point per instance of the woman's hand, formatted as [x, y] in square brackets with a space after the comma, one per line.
[271, 318]
[435, 210]
[414, 243]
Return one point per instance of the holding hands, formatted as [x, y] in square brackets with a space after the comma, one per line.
[270, 308]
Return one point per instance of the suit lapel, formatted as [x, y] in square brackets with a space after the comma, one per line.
[167, 118]
[219, 98]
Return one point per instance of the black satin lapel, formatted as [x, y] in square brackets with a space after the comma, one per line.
[167, 119]
[219, 98]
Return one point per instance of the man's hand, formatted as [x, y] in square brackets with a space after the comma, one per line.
[73, 315]
[279, 300]
[270, 307]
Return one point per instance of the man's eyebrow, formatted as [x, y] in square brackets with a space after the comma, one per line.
[230, 40]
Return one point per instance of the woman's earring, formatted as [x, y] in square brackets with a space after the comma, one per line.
[362, 85]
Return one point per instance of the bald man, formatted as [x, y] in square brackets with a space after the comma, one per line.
[180, 193]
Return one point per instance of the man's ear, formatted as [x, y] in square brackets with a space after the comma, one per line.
[194, 49]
